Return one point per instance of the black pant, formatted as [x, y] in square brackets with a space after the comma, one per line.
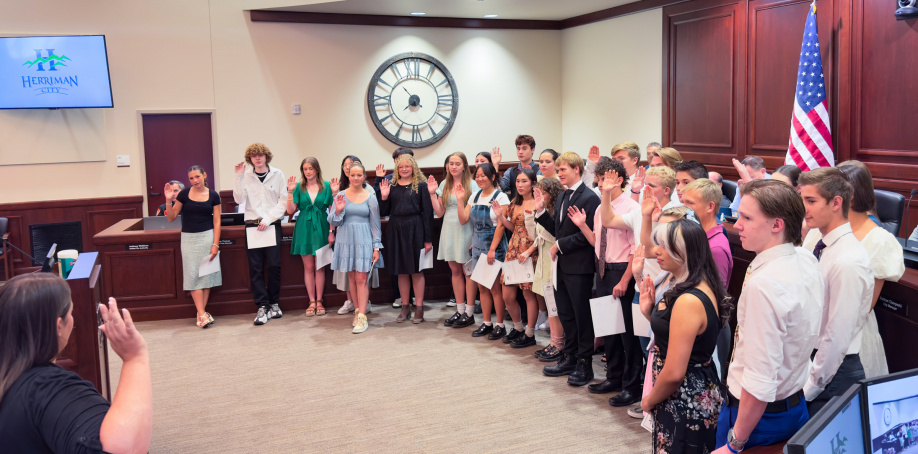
[849, 372]
[624, 357]
[259, 259]
[573, 300]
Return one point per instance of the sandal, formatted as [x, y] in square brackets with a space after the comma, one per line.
[320, 309]
[311, 310]
[208, 319]
[200, 321]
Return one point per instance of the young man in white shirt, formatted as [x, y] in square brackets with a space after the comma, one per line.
[845, 267]
[777, 326]
[263, 190]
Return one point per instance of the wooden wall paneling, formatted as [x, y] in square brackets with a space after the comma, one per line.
[143, 275]
[704, 77]
[99, 220]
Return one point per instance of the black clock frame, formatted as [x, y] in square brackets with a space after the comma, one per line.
[371, 108]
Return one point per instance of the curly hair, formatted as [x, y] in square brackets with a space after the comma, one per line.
[257, 149]
[551, 188]
[416, 175]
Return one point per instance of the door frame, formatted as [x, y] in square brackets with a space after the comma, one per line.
[143, 155]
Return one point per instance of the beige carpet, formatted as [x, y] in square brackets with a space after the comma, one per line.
[303, 384]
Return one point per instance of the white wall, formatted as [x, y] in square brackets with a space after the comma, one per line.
[612, 84]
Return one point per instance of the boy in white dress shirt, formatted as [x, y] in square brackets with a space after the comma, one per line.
[777, 326]
[845, 267]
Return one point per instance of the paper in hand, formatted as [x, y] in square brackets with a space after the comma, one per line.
[425, 260]
[554, 274]
[641, 324]
[518, 273]
[485, 274]
[265, 238]
[324, 256]
[209, 266]
[607, 316]
[468, 267]
[550, 300]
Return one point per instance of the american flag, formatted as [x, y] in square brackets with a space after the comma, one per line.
[810, 143]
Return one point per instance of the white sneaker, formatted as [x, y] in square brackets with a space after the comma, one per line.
[636, 412]
[397, 303]
[361, 324]
[542, 320]
[346, 308]
[369, 307]
[451, 302]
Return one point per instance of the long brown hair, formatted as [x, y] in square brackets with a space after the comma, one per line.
[466, 177]
[315, 165]
[30, 306]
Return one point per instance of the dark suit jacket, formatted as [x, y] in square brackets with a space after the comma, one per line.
[577, 254]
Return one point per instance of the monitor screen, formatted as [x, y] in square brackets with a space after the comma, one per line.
[52, 72]
[837, 428]
[892, 411]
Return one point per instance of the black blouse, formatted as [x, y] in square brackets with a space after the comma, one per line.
[197, 216]
[51, 410]
[402, 202]
[705, 342]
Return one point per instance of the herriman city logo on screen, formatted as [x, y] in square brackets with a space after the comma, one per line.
[51, 84]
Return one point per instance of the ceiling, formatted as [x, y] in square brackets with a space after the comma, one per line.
[553, 10]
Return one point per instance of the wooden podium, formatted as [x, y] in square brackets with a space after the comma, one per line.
[87, 351]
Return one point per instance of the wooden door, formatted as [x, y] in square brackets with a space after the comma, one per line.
[173, 143]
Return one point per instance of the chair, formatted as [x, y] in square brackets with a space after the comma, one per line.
[4, 252]
[729, 189]
[890, 206]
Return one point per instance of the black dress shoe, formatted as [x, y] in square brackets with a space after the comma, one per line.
[498, 332]
[565, 366]
[549, 354]
[605, 387]
[512, 336]
[624, 399]
[583, 373]
[523, 341]
[450, 321]
[464, 320]
[483, 330]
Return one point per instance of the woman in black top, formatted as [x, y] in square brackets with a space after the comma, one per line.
[407, 203]
[687, 394]
[47, 409]
[200, 210]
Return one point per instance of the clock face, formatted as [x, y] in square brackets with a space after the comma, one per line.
[413, 100]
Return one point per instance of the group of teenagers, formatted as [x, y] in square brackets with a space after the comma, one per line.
[604, 226]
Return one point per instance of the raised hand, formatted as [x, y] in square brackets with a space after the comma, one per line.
[339, 203]
[384, 188]
[334, 185]
[120, 331]
[742, 171]
[431, 185]
[637, 263]
[610, 181]
[381, 171]
[577, 215]
[240, 168]
[495, 157]
[459, 192]
[594, 154]
[647, 291]
[291, 184]
[647, 204]
[167, 191]
[637, 183]
[498, 210]
[539, 199]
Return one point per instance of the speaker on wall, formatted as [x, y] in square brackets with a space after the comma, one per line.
[907, 8]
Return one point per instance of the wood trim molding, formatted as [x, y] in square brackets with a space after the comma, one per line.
[616, 11]
[400, 21]
[20, 206]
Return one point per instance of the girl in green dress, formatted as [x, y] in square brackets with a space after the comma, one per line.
[312, 197]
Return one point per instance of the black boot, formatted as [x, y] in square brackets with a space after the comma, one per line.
[565, 366]
[583, 373]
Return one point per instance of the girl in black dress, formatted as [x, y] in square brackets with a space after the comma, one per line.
[407, 203]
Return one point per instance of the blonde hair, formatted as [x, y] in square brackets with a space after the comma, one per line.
[257, 149]
[633, 150]
[416, 175]
[709, 191]
[679, 212]
[466, 177]
[667, 176]
[572, 159]
[670, 156]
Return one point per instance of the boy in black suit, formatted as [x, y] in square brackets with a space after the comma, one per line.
[575, 265]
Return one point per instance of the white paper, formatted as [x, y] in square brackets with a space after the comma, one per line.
[485, 274]
[550, 300]
[255, 239]
[468, 267]
[208, 266]
[607, 316]
[554, 274]
[425, 260]
[518, 273]
[324, 256]
[641, 324]
[647, 423]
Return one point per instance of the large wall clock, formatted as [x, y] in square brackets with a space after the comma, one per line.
[413, 100]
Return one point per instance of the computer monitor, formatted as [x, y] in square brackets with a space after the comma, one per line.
[892, 412]
[47, 265]
[838, 428]
[228, 219]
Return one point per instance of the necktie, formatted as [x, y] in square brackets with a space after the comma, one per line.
[817, 251]
[601, 260]
[565, 201]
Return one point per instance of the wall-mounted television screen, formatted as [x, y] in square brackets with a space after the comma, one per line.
[54, 72]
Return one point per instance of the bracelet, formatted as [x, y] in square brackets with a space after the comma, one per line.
[731, 449]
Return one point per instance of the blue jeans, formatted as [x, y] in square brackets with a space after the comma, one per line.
[771, 429]
[645, 340]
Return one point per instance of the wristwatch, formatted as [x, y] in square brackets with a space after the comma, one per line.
[733, 444]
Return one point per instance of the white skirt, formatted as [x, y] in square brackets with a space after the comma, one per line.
[196, 246]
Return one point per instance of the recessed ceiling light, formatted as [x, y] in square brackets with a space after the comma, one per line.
[418, 13]
[490, 16]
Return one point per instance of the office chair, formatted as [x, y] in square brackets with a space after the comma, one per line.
[729, 189]
[4, 252]
[890, 206]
